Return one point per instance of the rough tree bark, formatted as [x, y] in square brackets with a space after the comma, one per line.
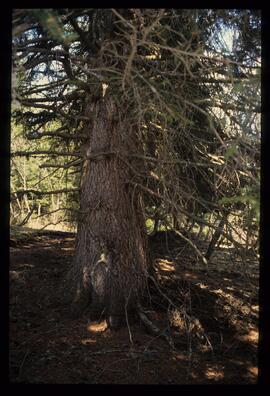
[110, 264]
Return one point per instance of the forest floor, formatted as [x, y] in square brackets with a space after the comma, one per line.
[212, 318]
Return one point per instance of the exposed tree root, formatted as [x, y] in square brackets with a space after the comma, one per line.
[152, 328]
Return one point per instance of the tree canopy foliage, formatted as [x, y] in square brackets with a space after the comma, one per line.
[187, 80]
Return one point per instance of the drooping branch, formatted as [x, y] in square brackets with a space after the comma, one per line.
[41, 193]
[53, 134]
[63, 166]
[44, 152]
[183, 211]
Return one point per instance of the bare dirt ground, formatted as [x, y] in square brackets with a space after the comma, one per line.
[212, 318]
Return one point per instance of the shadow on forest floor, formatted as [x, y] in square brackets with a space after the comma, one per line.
[214, 323]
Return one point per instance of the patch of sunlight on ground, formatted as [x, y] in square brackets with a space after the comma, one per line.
[179, 356]
[252, 336]
[189, 275]
[222, 293]
[97, 327]
[253, 371]
[166, 265]
[88, 341]
[47, 225]
[212, 373]
[218, 291]
[202, 286]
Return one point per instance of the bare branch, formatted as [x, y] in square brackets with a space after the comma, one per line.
[41, 193]
[44, 152]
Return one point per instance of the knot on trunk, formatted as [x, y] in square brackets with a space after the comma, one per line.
[108, 295]
[99, 276]
[104, 279]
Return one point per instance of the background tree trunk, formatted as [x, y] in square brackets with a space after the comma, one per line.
[110, 265]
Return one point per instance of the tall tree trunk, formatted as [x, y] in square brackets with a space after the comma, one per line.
[110, 264]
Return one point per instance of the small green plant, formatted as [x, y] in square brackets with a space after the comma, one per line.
[250, 195]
